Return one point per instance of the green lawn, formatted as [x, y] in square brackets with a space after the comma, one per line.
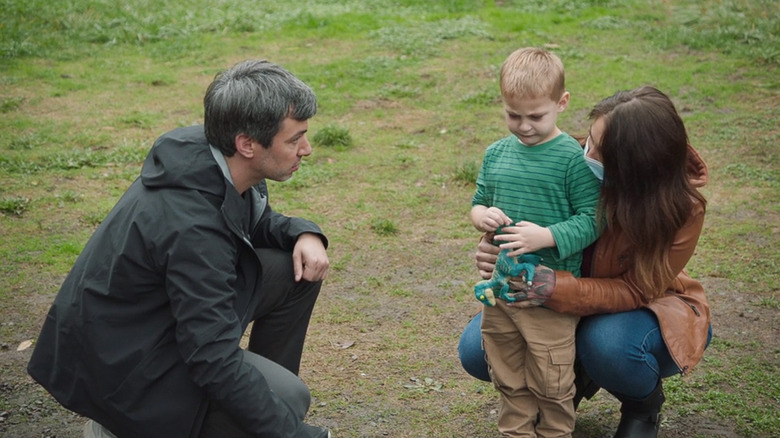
[409, 100]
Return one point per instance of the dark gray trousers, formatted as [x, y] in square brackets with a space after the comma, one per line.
[276, 340]
[279, 327]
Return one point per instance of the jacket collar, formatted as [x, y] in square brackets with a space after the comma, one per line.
[222, 162]
[698, 173]
[233, 204]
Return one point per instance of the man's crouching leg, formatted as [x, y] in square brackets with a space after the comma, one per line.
[286, 385]
[282, 317]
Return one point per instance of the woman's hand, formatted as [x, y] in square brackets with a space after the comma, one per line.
[534, 295]
[486, 256]
[537, 293]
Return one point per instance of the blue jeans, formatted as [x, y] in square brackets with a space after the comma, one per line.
[623, 353]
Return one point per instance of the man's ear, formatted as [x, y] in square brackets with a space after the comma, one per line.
[244, 146]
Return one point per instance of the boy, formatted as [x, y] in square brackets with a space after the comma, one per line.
[537, 193]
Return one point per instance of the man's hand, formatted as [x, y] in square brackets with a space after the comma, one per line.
[486, 256]
[537, 293]
[310, 260]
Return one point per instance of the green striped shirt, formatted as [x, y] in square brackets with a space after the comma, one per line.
[548, 184]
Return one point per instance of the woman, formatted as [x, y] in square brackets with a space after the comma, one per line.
[644, 318]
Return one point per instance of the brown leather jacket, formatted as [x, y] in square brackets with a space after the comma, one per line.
[683, 313]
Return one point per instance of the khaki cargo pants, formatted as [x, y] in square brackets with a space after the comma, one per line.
[530, 355]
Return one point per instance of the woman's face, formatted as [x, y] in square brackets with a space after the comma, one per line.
[594, 139]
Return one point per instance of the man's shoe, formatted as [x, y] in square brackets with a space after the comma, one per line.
[309, 431]
[93, 429]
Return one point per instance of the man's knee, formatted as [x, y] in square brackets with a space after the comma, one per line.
[298, 396]
[286, 385]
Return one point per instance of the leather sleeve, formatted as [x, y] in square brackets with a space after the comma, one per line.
[619, 293]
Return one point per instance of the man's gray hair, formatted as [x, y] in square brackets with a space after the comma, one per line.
[253, 98]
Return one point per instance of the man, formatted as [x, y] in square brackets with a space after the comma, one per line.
[143, 337]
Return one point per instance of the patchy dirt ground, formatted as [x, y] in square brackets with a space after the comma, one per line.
[29, 412]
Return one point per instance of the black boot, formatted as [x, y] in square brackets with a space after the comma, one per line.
[585, 387]
[641, 418]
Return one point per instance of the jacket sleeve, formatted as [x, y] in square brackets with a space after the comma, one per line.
[275, 230]
[619, 293]
[199, 262]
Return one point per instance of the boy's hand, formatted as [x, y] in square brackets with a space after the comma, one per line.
[492, 219]
[525, 237]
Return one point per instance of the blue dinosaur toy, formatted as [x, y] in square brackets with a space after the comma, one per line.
[506, 268]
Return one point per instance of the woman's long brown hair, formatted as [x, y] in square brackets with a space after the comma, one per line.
[646, 194]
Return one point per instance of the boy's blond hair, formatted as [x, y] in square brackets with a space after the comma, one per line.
[532, 73]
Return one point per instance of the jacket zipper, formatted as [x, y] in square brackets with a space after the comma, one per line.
[695, 310]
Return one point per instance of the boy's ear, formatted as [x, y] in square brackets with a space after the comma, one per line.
[244, 145]
[563, 103]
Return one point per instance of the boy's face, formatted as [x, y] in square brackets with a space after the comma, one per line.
[533, 120]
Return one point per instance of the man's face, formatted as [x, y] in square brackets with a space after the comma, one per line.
[288, 147]
[533, 121]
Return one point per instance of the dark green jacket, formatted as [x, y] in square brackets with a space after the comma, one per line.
[145, 330]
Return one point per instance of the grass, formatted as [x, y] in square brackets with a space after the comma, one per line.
[408, 100]
[332, 136]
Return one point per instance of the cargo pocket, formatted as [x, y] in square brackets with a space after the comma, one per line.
[559, 379]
